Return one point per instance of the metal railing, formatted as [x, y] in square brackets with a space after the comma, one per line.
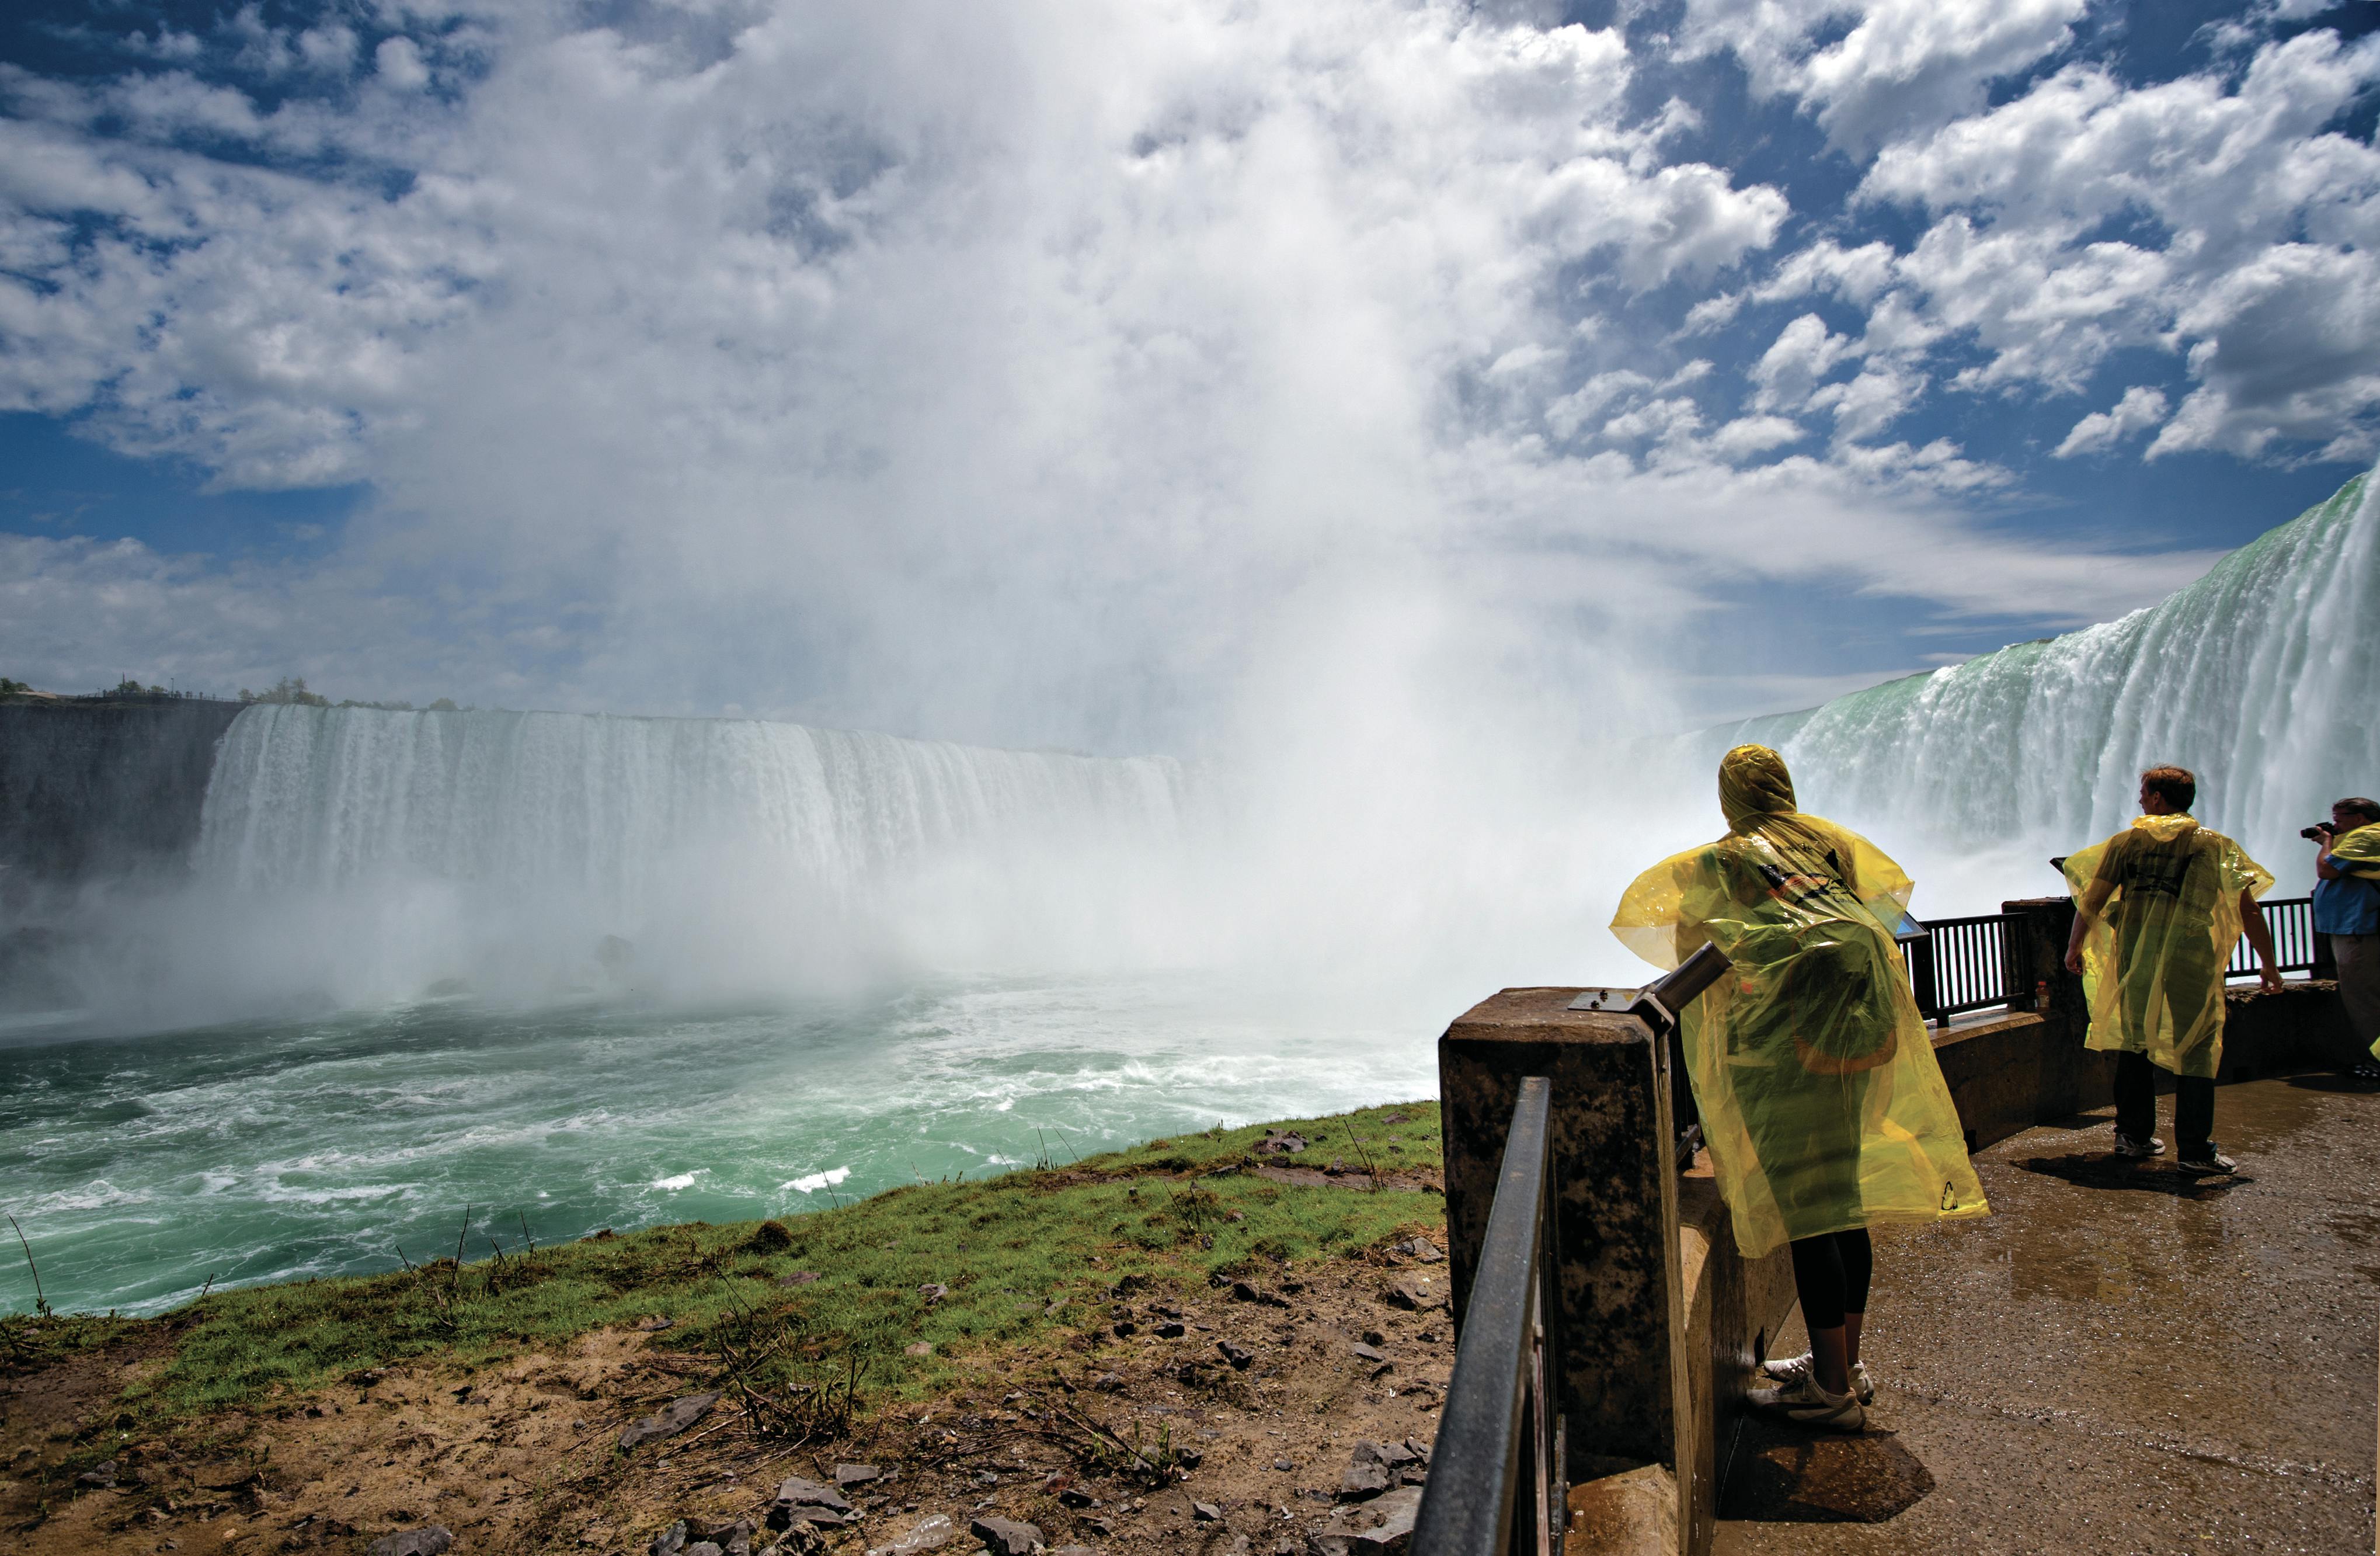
[1499, 1424]
[2296, 948]
[1958, 965]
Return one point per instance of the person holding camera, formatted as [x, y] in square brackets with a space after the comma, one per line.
[2347, 907]
[2158, 908]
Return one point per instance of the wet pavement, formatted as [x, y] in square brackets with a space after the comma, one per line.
[2121, 1359]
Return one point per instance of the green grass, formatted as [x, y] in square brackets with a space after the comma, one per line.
[1008, 1248]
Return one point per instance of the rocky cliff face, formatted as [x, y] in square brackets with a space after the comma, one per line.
[91, 789]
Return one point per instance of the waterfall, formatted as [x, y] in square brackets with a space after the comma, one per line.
[601, 805]
[2260, 678]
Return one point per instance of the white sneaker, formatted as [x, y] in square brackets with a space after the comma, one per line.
[2213, 1163]
[2127, 1145]
[1806, 1405]
[1792, 1369]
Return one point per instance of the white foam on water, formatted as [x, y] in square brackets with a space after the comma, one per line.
[817, 1181]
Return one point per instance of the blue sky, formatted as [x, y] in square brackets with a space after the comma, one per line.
[1051, 374]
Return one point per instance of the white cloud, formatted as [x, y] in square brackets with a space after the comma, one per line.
[2288, 346]
[1803, 353]
[399, 63]
[1865, 405]
[1749, 436]
[2141, 409]
[1903, 64]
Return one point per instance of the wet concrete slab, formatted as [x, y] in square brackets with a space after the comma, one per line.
[2121, 1359]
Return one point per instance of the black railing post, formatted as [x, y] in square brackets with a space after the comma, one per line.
[1924, 978]
[1499, 1415]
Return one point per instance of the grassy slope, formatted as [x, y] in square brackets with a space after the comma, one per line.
[1009, 1249]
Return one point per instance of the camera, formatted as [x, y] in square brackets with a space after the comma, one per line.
[2317, 831]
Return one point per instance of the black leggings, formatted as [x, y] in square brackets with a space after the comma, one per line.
[1831, 1273]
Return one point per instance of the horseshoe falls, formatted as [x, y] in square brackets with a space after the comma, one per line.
[588, 971]
[2259, 678]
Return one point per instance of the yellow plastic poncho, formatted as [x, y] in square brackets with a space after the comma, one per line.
[2358, 854]
[2358, 851]
[1821, 1101]
[2154, 954]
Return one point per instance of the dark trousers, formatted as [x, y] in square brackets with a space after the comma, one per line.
[1830, 1275]
[2193, 1106]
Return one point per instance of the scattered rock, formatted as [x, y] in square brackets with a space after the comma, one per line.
[1005, 1537]
[669, 1542]
[1206, 1512]
[1365, 1478]
[1243, 1292]
[929, 1533]
[1397, 1118]
[1128, 1284]
[430, 1541]
[857, 1475]
[655, 1325]
[681, 1414]
[1240, 1357]
[1280, 1140]
[1365, 1352]
[933, 1291]
[1338, 1168]
[807, 1502]
[918, 1348]
[1383, 1527]
[1126, 1329]
[1074, 1550]
[1414, 1296]
[797, 1277]
[730, 1539]
[1394, 1455]
[1422, 1250]
[1107, 1383]
[1283, 1465]
[101, 1476]
[1171, 1331]
[1074, 1496]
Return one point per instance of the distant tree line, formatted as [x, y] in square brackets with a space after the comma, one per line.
[288, 691]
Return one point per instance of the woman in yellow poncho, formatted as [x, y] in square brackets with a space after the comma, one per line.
[2158, 908]
[1820, 1097]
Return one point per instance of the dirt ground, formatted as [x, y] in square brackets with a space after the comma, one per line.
[1155, 1439]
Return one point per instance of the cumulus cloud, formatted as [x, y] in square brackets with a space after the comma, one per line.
[1804, 352]
[2216, 219]
[1902, 64]
[2141, 409]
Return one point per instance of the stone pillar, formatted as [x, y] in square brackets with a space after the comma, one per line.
[2038, 957]
[1616, 1220]
[2069, 1078]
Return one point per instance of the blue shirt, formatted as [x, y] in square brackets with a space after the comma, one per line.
[2350, 906]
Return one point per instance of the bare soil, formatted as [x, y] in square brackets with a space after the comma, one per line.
[1102, 1439]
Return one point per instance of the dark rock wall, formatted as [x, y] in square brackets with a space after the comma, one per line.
[90, 789]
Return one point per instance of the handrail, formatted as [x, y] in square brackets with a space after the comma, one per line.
[1498, 1413]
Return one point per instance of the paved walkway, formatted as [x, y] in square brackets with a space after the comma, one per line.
[2121, 1359]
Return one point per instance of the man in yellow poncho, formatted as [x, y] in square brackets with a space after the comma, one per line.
[2158, 908]
[1820, 1097]
[2347, 907]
